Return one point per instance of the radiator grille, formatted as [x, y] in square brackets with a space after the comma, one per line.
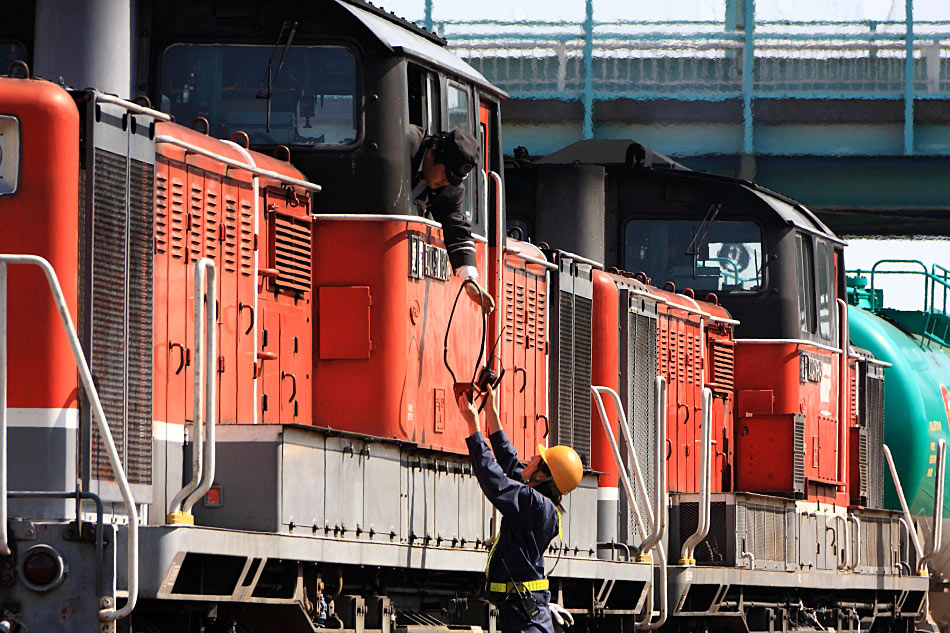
[565, 368]
[799, 457]
[863, 488]
[292, 253]
[120, 318]
[140, 276]
[723, 367]
[767, 532]
[583, 315]
[715, 548]
[874, 422]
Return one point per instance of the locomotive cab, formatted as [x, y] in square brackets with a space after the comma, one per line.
[339, 83]
[767, 259]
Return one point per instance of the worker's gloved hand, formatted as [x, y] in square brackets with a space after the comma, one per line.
[480, 296]
[562, 617]
[475, 292]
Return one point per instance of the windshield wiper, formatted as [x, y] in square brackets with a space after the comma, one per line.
[270, 80]
[699, 238]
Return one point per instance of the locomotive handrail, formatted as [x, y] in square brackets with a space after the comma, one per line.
[499, 247]
[171, 140]
[109, 612]
[658, 527]
[905, 550]
[903, 501]
[618, 458]
[844, 387]
[531, 260]
[937, 534]
[844, 547]
[790, 341]
[659, 474]
[203, 458]
[205, 270]
[705, 495]
[583, 260]
[855, 542]
[662, 500]
[131, 106]
[655, 520]
[941, 274]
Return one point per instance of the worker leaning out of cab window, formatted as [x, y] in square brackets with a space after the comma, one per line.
[529, 499]
[440, 162]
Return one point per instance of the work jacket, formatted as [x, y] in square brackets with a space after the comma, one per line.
[444, 204]
[529, 519]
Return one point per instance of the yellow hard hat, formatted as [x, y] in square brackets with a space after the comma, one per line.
[565, 466]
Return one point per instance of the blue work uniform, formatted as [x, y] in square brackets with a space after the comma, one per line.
[529, 523]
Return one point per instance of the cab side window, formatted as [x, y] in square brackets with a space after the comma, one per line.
[459, 112]
[805, 271]
[825, 295]
[424, 99]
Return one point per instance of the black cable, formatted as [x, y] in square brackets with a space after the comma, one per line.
[448, 328]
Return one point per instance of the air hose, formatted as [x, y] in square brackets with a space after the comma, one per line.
[481, 349]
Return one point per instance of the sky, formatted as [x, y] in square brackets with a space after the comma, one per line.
[670, 10]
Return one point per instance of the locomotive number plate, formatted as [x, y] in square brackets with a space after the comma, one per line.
[811, 369]
[428, 260]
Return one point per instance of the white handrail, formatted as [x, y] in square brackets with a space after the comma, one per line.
[903, 502]
[171, 140]
[660, 490]
[500, 248]
[664, 589]
[661, 498]
[937, 534]
[4, 542]
[204, 396]
[110, 613]
[844, 390]
[856, 542]
[705, 496]
[204, 269]
[621, 471]
[845, 545]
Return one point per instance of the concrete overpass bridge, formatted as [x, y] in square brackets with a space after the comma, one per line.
[853, 118]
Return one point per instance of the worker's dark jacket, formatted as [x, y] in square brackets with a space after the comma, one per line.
[529, 523]
[529, 519]
[444, 204]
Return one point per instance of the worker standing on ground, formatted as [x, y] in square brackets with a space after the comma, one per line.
[439, 164]
[529, 499]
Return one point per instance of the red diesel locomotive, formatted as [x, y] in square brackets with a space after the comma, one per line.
[262, 435]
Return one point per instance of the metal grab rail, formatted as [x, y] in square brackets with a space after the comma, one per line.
[662, 501]
[855, 541]
[266, 173]
[937, 534]
[844, 547]
[705, 496]
[618, 458]
[109, 613]
[653, 540]
[203, 460]
[656, 515]
[661, 507]
[903, 501]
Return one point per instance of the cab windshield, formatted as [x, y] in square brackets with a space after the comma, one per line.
[308, 100]
[709, 256]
